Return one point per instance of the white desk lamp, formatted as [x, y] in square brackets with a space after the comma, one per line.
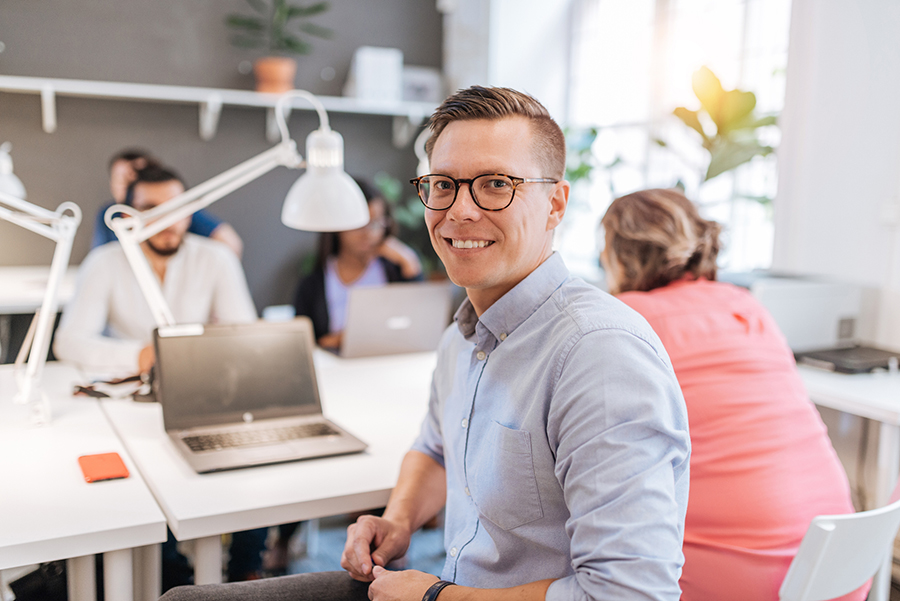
[59, 226]
[323, 199]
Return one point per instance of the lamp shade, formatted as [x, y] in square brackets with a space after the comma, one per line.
[325, 198]
[9, 183]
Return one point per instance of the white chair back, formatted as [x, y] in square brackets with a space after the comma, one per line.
[839, 553]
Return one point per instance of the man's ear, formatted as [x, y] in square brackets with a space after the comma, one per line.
[558, 202]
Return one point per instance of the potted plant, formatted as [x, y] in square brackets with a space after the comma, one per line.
[280, 27]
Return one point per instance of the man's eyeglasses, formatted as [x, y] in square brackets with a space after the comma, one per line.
[490, 191]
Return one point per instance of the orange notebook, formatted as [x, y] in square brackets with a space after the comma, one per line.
[104, 466]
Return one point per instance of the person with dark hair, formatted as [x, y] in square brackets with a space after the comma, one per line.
[762, 465]
[369, 256]
[556, 435]
[123, 168]
[107, 327]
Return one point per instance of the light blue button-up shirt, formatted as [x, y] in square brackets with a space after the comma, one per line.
[564, 436]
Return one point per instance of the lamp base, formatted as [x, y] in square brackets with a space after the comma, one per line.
[274, 74]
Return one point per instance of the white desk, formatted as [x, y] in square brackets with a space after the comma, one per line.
[22, 291]
[22, 288]
[382, 400]
[48, 511]
[873, 396]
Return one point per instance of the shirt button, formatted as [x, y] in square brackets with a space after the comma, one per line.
[468, 494]
[502, 337]
[464, 423]
[453, 552]
[481, 355]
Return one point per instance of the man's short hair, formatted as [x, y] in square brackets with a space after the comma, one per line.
[478, 102]
[132, 155]
[153, 174]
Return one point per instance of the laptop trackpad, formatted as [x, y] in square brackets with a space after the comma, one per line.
[264, 452]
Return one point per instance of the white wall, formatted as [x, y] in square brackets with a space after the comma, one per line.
[521, 44]
[836, 212]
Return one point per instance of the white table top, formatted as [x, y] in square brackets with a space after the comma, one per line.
[22, 288]
[47, 510]
[382, 400]
[874, 396]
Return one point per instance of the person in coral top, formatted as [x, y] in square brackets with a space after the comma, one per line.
[762, 465]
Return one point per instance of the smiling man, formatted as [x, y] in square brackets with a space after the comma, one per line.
[556, 435]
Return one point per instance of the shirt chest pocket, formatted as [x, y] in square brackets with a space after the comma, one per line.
[502, 480]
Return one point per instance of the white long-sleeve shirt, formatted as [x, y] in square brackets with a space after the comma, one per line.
[108, 322]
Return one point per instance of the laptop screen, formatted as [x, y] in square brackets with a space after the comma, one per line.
[233, 373]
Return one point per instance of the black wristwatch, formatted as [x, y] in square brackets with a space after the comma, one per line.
[435, 589]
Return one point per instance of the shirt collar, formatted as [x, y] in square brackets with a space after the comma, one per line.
[514, 307]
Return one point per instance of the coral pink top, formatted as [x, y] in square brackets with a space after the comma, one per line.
[762, 465]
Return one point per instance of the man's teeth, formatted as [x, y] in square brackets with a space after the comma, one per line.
[471, 243]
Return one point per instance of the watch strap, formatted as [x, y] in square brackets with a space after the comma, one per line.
[435, 589]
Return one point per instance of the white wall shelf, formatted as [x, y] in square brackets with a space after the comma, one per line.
[408, 116]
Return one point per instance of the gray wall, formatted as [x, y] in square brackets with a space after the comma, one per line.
[185, 42]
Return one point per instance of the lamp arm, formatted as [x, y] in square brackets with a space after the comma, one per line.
[282, 103]
[137, 226]
[59, 226]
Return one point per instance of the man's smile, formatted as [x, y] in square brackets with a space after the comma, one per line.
[457, 243]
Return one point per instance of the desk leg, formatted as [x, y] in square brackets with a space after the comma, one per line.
[885, 481]
[81, 578]
[147, 573]
[118, 579]
[208, 560]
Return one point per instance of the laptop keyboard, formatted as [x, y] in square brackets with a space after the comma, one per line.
[245, 438]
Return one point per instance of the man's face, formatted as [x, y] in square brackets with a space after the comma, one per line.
[508, 244]
[150, 194]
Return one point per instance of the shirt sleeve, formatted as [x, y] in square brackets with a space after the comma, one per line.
[232, 302]
[204, 223]
[430, 440]
[80, 338]
[622, 444]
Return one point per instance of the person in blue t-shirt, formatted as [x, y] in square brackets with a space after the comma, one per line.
[123, 168]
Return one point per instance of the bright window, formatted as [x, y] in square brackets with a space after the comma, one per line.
[632, 62]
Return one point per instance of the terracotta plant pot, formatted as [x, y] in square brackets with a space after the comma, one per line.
[274, 74]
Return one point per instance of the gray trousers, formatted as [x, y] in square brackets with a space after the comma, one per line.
[321, 586]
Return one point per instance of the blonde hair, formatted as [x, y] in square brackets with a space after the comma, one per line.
[654, 237]
[477, 102]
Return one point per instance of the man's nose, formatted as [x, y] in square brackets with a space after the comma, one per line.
[464, 208]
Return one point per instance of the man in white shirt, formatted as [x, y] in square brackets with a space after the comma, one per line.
[108, 326]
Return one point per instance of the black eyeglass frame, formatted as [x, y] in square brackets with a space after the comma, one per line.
[517, 181]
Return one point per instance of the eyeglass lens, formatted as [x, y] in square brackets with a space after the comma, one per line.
[491, 192]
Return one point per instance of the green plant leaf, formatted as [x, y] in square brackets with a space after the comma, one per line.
[736, 107]
[726, 155]
[295, 45]
[763, 200]
[307, 11]
[316, 30]
[752, 122]
[245, 22]
[708, 90]
[691, 119]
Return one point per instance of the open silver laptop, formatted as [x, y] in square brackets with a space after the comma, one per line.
[240, 395]
[397, 318]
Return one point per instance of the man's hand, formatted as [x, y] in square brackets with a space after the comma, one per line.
[373, 541]
[332, 341]
[397, 252]
[408, 585]
[146, 359]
